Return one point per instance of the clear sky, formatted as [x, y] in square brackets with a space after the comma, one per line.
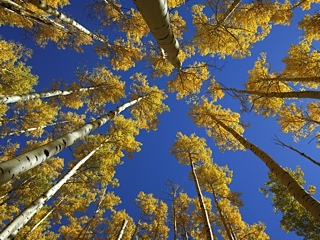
[150, 168]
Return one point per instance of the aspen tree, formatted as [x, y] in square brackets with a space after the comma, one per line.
[190, 151]
[20, 164]
[156, 15]
[48, 9]
[152, 221]
[216, 180]
[182, 212]
[205, 115]
[115, 224]
[14, 226]
[295, 218]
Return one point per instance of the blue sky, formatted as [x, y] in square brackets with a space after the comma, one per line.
[150, 168]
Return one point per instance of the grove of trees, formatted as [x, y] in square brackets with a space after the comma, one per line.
[159, 119]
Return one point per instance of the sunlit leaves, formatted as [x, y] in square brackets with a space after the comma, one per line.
[154, 212]
[16, 77]
[207, 115]
[232, 36]
[261, 80]
[146, 110]
[302, 62]
[189, 81]
[311, 27]
[123, 54]
[190, 149]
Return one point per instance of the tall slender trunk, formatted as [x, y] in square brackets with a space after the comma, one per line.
[25, 97]
[42, 219]
[3, 135]
[297, 191]
[302, 94]
[98, 209]
[229, 231]
[12, 229]
[124, 224]
[20, 164]
[15, 8]
[156, 15]
[50, 10]
[204, 211]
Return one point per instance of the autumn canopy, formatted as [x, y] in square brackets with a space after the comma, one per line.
[65, 140]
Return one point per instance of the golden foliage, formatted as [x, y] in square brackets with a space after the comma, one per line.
[209, 115]
[261, 80]
[147, 109]
[189, 81]
[190, 149]
[16, 77]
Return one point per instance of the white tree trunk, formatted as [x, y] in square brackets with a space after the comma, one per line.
[50, 10]
[3, 135]
[20, 164]
[22, 11]
[204, 211]
[297, 191]
[156, 15]
[25, 97]
[12, 229]
[43, 219]
[124, 224]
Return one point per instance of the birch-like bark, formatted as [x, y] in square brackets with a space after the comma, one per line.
[3, 135]
[12, 229]
[229, 231]
[156, 15]
[28, 14]
[297, 191]
[42, 219]
[204, 211]
[302, 94]
[124, 224]
[50, 10]
[25, 97]
[20, 164]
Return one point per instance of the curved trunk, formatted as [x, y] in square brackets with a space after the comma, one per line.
[206, 221]
[297, 191]
[50, 10]
[156, 15]
[20, 164]
[12, 229]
